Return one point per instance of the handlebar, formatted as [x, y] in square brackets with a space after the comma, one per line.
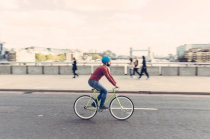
[115, 88]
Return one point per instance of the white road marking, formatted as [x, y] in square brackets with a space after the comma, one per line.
[148, 109]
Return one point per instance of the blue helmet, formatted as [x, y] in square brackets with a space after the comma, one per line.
[105, 59]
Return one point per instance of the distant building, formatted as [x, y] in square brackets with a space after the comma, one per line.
[181, 49]
[123, 57]
[171, 58]
[12, 56]
[1, 46]
[25, 56]
[21, 55]
[29, 54]
[41, 50]
[198, 55]
[87, 57]
[69, 53]
[3, 52]
[68, 56]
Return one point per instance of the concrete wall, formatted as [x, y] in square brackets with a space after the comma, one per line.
[5, 70]
[115, 70]
[94, 68]
[51, 70]
[19, 70]
[203, 71]
[66, 70]
[84, 70]
[35, 70]
[153, 71]
[187, 71]
[169, 71]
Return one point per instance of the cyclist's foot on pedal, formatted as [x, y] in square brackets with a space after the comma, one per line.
[103, 108]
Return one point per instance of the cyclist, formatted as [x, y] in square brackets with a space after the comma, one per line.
[97, 75]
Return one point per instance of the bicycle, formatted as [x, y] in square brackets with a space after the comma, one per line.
[120, 107]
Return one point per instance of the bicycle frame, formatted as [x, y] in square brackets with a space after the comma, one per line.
[94, 95]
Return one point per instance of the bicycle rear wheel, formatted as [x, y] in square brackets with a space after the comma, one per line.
[121, 107]
[83, 107]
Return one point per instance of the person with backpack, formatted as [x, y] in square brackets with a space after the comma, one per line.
[135, 70]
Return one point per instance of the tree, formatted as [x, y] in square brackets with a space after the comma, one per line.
[49, 57]
[61, 57]
[39, 57]
[96, 56]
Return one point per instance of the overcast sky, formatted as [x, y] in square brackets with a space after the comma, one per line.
[117, 25]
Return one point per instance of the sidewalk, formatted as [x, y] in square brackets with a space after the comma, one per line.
[65, 83]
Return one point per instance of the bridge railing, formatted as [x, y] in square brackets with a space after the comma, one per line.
[165, 64]
[117, 68]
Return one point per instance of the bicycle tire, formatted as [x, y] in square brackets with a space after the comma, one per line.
[124, 112]
[83, 109]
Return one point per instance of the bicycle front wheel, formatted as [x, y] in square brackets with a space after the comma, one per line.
[84, 107]
[121, 107]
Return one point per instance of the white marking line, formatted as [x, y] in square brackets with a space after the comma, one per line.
[148, 109]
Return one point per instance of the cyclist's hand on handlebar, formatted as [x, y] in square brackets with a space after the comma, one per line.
[116, 86]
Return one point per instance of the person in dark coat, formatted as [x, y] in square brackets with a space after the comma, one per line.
[144, 68]
[74, 67]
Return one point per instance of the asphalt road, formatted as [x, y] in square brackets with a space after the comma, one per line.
[51, 116]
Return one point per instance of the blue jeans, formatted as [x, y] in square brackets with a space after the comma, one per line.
[103, 92]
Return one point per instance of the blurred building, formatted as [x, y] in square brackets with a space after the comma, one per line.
[25, 56]
[181, 49]
[198, 55]
[68, 56]
[1, 50]
[21, 55]
[3, 53]
[28, 54]
[74, 53]
[12, 56]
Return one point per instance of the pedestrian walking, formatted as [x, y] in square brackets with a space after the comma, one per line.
[130, 65]
[74, 67]
[144, 68]
[135, 70]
